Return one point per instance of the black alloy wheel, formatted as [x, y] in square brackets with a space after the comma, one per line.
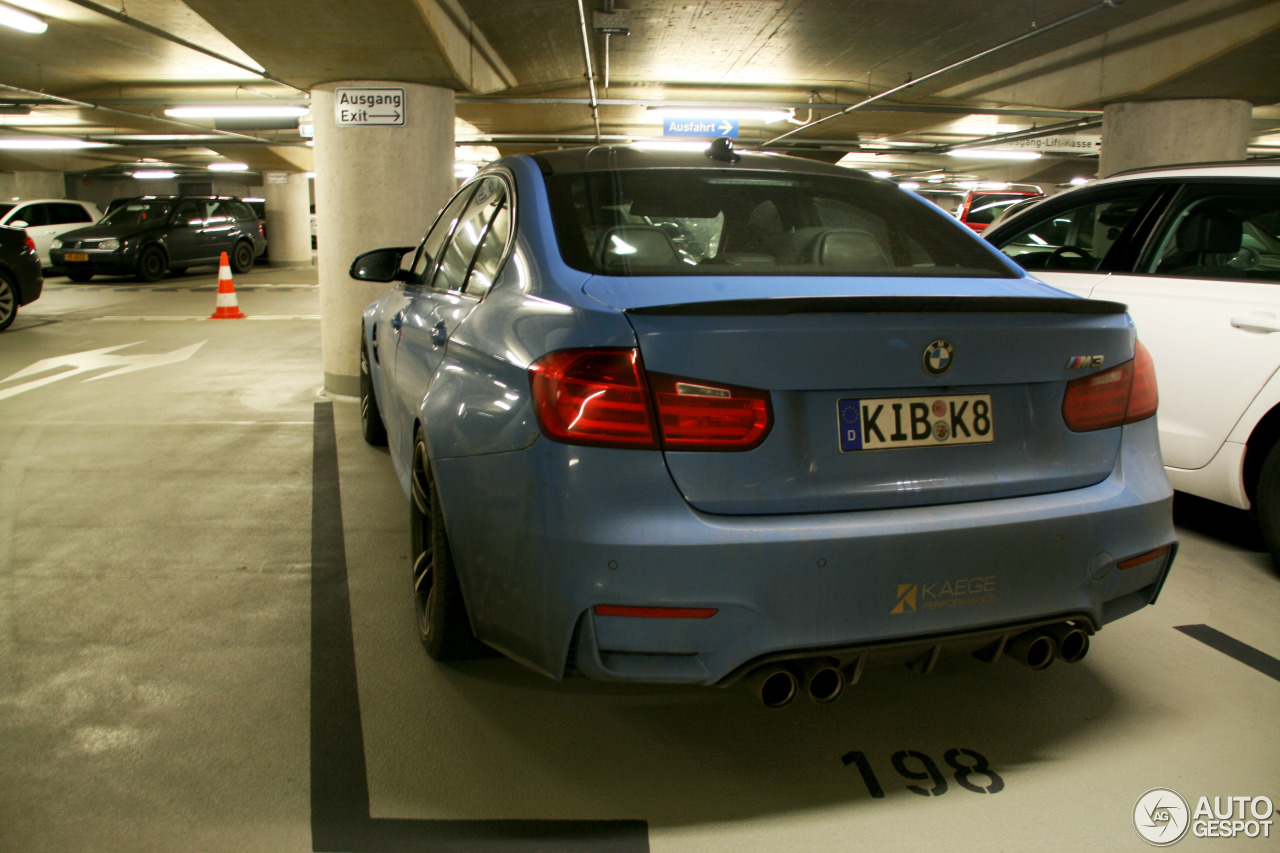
[242, 257]
[441, 613]
[151, 264]
[8, 303]
[371, 425]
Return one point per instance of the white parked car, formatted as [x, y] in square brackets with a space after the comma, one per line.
[1194, 251]
[46, 218]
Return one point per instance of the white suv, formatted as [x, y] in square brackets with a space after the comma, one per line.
[46, 218]
[1194, 251]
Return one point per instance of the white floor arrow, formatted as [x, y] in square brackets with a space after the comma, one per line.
[90, 360]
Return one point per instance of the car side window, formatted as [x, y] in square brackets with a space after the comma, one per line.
[189, 210]
[65, 214]
[34, 214]
[1075, 237]
[1221, 232]
[472, 225]
[493, 248]
[429, 250]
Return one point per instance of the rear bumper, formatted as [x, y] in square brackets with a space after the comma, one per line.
[542, 536]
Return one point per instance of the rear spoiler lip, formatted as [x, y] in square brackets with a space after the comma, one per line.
[886, 305]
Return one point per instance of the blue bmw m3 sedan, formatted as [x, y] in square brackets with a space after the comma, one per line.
[711, 417]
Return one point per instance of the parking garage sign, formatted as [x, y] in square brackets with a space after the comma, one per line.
[368, 107]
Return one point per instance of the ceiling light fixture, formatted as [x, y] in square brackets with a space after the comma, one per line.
[35, 144]
[731, 114]
[228, 167]
[236, 112]
[154, 174]
[994, 154]
[19, 20]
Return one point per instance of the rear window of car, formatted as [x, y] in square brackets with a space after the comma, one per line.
[138, 213]
[756, 222]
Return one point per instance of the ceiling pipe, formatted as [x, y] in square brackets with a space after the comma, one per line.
[124, 18]
[1105, 4]
[591, 74]
[85, 105]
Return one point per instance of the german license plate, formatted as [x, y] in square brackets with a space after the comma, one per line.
[885, 423]
[76, 256]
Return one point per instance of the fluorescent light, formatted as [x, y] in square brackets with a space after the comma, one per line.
[154, 175]
[161, 137]
[1075, 182]
[881, 173]
[38, 119]
[236, 112]
[19, 20]
[745, 114]
[228, 167]
[910, 185]
[994, 154]
[35, 144]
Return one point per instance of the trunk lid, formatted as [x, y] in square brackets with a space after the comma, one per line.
[858, 385]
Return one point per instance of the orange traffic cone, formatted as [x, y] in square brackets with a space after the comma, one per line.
[228, 308]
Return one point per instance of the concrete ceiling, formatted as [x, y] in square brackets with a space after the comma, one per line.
[105, 72]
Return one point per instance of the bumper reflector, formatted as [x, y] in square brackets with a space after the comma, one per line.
[1142, 558]
[656, 612]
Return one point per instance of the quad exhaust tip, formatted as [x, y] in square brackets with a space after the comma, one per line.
[822, 680]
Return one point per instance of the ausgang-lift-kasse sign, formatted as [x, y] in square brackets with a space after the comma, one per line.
[364, 107]
[700, 127]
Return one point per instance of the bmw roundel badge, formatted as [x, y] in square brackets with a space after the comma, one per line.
[938, 357]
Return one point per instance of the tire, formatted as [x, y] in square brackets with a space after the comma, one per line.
[1267, 503]
[81, 277]
[242, 257]
[8, 303]
[151, 264]
[439, 609]
[371, 425]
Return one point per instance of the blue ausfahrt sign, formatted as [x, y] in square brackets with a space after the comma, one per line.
[700, 127]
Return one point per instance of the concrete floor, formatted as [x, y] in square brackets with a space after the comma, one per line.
[206, 643]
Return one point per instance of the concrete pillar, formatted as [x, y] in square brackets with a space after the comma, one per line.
[289, 219]
[1139, 134]
[376, 186]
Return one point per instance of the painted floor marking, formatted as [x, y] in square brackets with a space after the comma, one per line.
[340, 818]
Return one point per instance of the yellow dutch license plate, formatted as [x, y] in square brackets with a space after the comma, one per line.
[76, 256]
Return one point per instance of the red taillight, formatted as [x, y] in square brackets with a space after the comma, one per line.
[604, 397]
[1121, 395]
[593, 396]
[31, 244]
[709, 416]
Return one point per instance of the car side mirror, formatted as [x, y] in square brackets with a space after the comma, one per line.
[190, 220]
[381, 265]
[19, 223]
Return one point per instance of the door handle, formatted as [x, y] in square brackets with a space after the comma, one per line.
[439, 334]
[1256, 323]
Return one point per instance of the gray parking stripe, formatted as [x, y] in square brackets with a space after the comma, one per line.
[1233, 648]
[340, 818]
